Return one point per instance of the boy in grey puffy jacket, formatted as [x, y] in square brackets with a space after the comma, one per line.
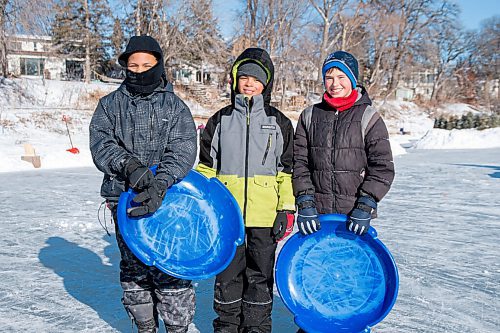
[141, 124]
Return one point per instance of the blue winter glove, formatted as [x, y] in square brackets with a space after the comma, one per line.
[307, 217]
[360, 217]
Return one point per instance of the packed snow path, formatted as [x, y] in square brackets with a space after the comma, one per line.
[59, 270]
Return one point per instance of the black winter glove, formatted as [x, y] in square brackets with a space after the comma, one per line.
[360, 217]
[138, 176]
[148, 201]
[307, 218]
[283, 224]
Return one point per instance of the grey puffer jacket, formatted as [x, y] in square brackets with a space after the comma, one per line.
[157, 128]
[334, 160]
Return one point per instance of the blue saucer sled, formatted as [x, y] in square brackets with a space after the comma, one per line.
[334, 281]
[193, 235]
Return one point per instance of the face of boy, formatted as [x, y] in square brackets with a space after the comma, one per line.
[249, 86]
[139, 62]
[337, 83]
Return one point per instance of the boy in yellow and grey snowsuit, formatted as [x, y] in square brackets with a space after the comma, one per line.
[248, 146]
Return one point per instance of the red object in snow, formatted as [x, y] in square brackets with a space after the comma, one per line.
[72, 150]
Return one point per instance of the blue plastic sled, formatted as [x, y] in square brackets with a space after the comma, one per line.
[193, 235]
[335, 281]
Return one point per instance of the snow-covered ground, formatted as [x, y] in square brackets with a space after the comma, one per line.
[441, 220]
[32, 110]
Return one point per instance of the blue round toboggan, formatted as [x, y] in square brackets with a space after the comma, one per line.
[335, 281]
[193, 235]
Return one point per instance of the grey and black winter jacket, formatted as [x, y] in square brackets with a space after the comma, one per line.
[157, 128]
[248, 146]
[336, 160]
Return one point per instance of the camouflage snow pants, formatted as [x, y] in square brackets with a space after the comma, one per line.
[149, 292]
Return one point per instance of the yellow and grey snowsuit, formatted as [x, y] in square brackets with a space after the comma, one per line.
[248, 145]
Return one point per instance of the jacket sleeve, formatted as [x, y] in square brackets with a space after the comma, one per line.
[301, 174]
[107, 154]
[286, 200]
[380, 166]
[209, 148]
[180, 151]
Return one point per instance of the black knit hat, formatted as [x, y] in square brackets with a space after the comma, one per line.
[344, 61]
[138, 44]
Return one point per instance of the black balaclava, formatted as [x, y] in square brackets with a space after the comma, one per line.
[145, 82]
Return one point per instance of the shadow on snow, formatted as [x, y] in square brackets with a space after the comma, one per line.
[495, 168]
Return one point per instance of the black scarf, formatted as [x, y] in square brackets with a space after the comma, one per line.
[145, 82]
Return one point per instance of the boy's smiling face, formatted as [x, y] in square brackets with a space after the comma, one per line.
[249, 86]
[139, 62]
[337, 83]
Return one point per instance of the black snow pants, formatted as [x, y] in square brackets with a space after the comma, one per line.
[149, 292]
[243, 292]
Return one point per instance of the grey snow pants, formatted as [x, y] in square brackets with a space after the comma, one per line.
[149, 292]
[243, 292]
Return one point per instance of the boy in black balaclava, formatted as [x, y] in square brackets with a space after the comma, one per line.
[141, 124]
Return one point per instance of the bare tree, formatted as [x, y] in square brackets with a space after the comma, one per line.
[414, 16]
[485, 59]
[3, 38]
[449, 43]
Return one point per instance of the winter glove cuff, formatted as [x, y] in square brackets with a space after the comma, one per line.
[367, 203]
[361, 215]
[304, 201]
[137, 175]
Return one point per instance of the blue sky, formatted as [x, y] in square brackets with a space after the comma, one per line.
[473, 12]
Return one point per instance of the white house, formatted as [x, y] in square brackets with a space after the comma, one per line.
[188, 73]
[30, 55]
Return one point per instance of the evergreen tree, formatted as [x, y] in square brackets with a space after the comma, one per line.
[476, 121]
[81, 29]
[468, 120]
[117, 38]
[204, 37]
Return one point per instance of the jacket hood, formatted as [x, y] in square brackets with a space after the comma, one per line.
[364, 98]
[262, 58]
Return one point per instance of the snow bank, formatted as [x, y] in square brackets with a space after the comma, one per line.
[31, 112]
[408, 116]
[460, 139]
[36, 92]
[457, 109]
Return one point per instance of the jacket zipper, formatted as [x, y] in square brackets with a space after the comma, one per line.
[247, 105]
[335, 123]
[267, 149]
[151, 117]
